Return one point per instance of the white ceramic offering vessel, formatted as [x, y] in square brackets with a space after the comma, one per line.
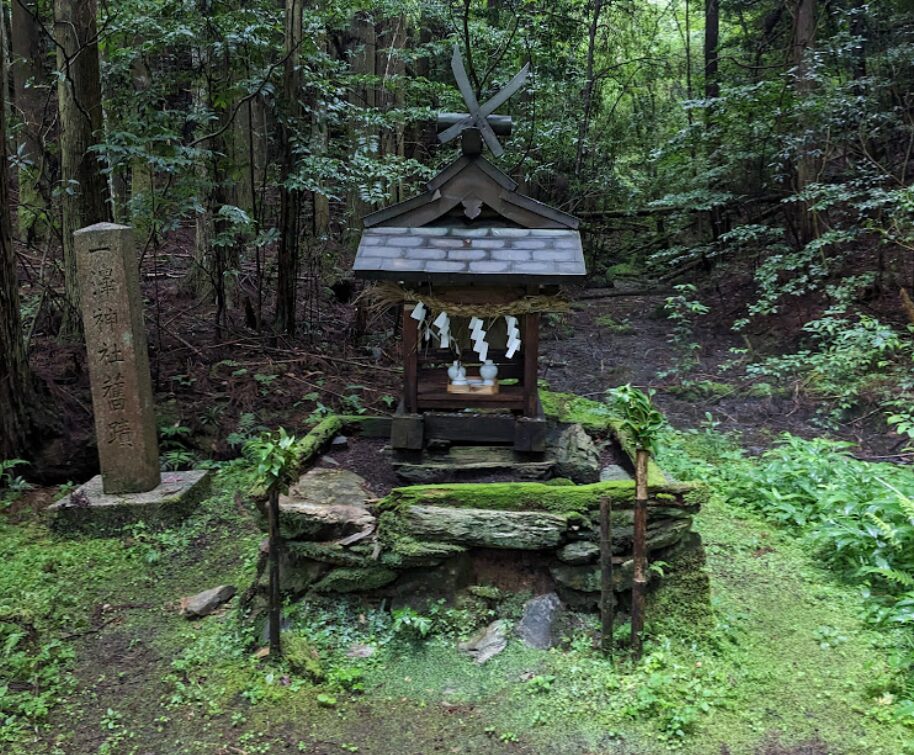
[457, 373]
[488, 372]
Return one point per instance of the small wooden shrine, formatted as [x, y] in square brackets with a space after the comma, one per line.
[474, 263]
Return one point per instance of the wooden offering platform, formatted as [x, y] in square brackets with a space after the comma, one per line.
[476, 390]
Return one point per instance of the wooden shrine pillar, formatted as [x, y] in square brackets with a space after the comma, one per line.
[410, 361]
[530, 338]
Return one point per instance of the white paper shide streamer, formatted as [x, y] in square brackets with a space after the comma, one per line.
[443, 323]
[514, 341]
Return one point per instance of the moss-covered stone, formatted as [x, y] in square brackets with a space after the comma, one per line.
[484, 528]
[566, 407]
[581, 552]
[406, 552]
[564, 500]
[302, 657]
[329, 553]
[355, 579]
[306, 520]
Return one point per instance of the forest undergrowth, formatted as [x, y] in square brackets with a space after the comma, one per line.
[811, 608]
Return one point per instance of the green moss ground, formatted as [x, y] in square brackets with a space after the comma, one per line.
[104, 649]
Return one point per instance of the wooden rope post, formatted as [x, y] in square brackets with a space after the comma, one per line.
[639, 582]
[607, 598]
[275, 597]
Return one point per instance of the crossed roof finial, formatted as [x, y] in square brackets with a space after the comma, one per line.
[480, 116]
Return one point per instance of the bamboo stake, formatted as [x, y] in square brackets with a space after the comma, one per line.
[639, 582]
[607, 599]
[275, 601]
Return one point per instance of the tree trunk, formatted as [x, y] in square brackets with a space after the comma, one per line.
[290, 200]
[859, 30]
[712, 40]
[589, 86]
[363, 63]
[712, 92]
[15, 378]
[391, 68]
[198, 280]
[806, 170]
[30, 83]
[79, 94]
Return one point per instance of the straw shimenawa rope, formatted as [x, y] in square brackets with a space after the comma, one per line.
[386, 294]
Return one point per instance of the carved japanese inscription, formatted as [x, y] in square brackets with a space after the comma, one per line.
[112, 311]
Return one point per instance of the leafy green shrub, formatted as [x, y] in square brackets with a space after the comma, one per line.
[858, 515]
[854, 358]
[411, 624]
[11, 484]
[681, 310]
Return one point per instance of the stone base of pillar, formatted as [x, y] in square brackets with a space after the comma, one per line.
[89, 509]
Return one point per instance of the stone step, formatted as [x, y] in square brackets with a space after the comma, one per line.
[432, 466]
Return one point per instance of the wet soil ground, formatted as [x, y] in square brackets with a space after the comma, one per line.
[611, 341]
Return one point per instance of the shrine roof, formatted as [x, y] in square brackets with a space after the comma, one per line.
[466, 255]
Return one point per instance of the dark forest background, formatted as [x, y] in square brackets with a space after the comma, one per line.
[754, 154]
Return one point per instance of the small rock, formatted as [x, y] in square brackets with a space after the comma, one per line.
[204, 603]
[340, 441]
[487, 642]
[540, 614]
[614, 473]
[579, 553]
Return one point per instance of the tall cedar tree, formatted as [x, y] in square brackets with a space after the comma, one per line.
[79, 96]
[15, 379]
[30, 79]
[806, 169]
[290, 200]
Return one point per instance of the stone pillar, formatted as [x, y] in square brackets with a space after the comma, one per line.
[112, 311]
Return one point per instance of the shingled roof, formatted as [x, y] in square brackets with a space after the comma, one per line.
[470, 254]
[471, 225]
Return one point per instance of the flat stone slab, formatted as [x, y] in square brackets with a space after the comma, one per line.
[485, 528]
[326, 504]
[89, 508]
[441, 467]
[329, 486]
